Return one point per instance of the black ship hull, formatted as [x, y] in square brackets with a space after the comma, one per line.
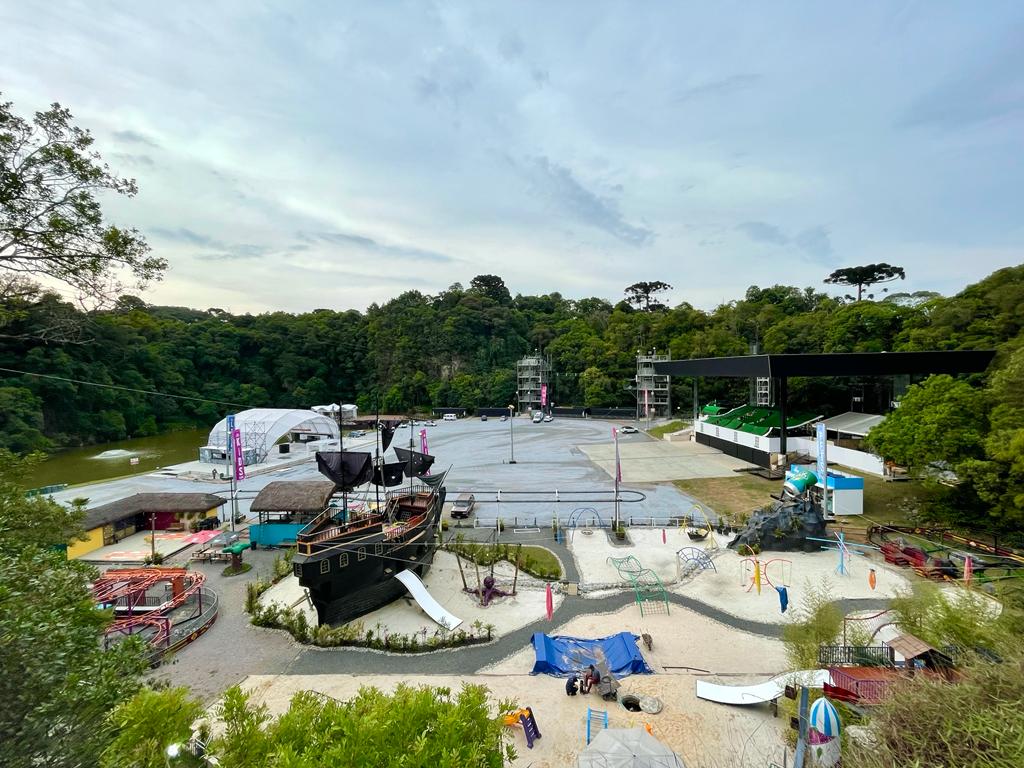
[349, 576]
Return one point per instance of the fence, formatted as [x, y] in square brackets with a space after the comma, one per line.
[861, 655]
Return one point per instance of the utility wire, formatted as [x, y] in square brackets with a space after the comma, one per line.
[124, 389]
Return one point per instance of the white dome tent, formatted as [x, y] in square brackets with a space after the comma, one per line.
[261, 428]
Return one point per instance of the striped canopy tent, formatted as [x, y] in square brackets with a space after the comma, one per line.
[823, 718]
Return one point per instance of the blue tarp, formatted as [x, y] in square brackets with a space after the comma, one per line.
[562, 656]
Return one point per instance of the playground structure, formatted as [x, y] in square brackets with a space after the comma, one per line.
[843, 549]
[649, 590]
[168, 607]
[691, 559]
[525, 718]
[698, 531]
[487, 589]
[601, 718]
[426, 601]
[754, 572]
[970, 561]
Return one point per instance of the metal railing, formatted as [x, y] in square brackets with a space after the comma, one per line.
[861, 655]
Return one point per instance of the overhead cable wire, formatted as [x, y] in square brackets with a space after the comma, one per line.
[125, 389]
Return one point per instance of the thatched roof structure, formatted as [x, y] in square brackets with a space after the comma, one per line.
[300, 496]
[147, 503]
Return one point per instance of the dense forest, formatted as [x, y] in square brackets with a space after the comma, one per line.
[458, 347]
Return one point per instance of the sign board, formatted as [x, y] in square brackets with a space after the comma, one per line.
[543, 395]
[133, 460]
[236, 443]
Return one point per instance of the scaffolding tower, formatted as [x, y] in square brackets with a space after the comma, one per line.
[533, 377]
[653, 397]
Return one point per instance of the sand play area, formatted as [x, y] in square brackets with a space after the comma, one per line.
[703, 733]
[443, 581]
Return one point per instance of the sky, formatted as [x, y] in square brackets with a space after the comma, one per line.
[297, 155]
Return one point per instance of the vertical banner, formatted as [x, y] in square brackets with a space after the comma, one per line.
[822, 464]
[423, 445]
[647, 403]
[543, 395]
[236, 444]
[618, 464]
[227, 435]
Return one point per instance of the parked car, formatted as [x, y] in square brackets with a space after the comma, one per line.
[463, 505]
[483, 417]
[548, 418]
[538, 417]
[629, 430]
[357, 433]
[429, 424]
[449, 417]
[505, 417]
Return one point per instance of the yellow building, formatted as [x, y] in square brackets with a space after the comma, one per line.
[110, 523]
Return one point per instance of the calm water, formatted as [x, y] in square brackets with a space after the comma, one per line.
[106, 460]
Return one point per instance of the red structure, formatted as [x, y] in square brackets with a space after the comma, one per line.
[144, 601]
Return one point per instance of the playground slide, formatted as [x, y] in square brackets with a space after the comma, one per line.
[761, 692]
[426, 601]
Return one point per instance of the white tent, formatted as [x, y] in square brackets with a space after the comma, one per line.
[262, 427]
[627, 748]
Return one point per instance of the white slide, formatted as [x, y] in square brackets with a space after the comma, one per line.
[761, 692]
[431, 607]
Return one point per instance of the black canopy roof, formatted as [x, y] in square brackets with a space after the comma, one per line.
[838, 364]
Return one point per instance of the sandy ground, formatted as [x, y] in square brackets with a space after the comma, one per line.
[592, 552]
[703, 733]
[722, 588]
[404, 616]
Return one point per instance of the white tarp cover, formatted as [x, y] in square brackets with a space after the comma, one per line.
[853, 423]
[627, 748]
[262, 427]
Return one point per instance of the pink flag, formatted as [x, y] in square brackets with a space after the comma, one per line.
[618, 465]
[647, 407]
[423, 445]
[550, 601]
[663, 538]
[968, 569]
[543, 395]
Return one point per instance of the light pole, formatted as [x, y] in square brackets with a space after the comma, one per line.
[511, 435]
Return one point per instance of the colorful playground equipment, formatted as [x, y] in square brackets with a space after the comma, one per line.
[168, 607]
[776, 572]
[648, 588]
[698, 530]
[525, 718]
[843, 549]
[690, 559]
[600, 718]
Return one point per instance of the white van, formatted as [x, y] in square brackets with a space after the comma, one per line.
[538, 417]
[449, 417]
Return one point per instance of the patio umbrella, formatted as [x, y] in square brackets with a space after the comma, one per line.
[823, 718]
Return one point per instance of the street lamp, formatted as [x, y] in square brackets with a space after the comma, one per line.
[511, 435]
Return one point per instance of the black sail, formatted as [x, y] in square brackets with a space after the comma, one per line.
[415, 463]
[348, 469]
[389, 475]
[387, 433]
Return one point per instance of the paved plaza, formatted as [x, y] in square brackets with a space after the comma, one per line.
[660, 461]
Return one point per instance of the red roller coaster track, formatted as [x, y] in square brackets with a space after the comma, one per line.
[125, 590]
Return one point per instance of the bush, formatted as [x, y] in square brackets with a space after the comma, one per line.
[232, 571]
[976, 722]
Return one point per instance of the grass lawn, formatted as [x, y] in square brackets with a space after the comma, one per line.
[537, 561]
[733, 497]
[736, 497]
[673, 426]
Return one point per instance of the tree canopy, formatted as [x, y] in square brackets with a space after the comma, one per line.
[865, 277]
[51, 222]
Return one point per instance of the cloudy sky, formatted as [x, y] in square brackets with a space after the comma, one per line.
[294, 155]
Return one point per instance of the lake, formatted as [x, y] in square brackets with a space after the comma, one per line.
[106, 460]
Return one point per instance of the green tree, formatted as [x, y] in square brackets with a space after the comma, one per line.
[21, 420]
[941, 420]
[413, 726]
[146, 724]
[865, 277]
[51, 223]
[643, 295]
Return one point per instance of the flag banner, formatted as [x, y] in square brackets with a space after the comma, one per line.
[236, 444]
[618, 463]
[423, 445]
[647, 402]
[543, 395]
